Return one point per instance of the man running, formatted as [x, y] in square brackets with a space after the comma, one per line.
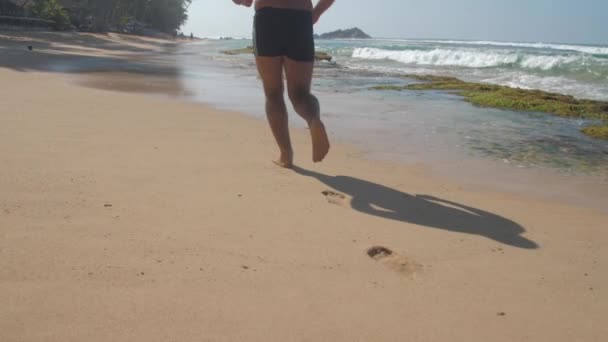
[283, 40]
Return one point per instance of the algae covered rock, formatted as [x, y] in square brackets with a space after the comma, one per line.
[504, 97]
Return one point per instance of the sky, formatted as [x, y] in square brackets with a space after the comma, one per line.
[559, 21]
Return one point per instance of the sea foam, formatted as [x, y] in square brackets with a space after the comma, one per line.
[473, 58]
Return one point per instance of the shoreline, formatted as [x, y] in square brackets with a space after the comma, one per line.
[497, 96]
[159, 77]
[128, 217]
[565, 188]
[577, 187]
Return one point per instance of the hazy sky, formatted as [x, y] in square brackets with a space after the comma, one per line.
[580, 21]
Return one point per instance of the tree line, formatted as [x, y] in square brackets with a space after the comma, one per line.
[132, 16]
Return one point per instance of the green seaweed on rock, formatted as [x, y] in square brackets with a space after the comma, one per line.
[504, 97]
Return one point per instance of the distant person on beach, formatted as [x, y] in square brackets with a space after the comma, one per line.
[283, 40]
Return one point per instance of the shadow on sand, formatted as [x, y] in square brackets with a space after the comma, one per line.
[378, 200]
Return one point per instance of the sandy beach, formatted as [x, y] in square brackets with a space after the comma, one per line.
[139, 217]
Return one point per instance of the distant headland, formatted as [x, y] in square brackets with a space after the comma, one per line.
[353, 33]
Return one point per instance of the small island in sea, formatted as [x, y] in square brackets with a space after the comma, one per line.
[353, 33]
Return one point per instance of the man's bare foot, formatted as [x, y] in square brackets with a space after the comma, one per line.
[320, 141]
[285, 160]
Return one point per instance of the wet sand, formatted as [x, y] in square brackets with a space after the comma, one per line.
[130, 217]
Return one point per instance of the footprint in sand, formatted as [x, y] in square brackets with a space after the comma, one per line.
[398, 263]
[334, 197]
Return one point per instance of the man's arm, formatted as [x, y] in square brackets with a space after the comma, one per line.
[320, 8]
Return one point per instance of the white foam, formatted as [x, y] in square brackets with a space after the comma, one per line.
[517, 78]
[469, 58]
[547, 62]
[557, 84]
[442, 57]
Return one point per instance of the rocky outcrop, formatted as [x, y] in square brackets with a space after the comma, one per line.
[353, 33]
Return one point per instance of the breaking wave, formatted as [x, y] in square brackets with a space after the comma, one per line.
[479, 59]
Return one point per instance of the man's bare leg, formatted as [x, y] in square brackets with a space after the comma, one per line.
[271, 72]
[299, 78]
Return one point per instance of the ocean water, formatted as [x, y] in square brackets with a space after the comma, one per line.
[578, 70]
[422, 126]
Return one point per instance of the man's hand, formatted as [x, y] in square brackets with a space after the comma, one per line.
[315, 17]
[246, 3]
[320, 8]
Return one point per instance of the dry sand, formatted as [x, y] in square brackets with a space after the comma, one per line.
[126, 217]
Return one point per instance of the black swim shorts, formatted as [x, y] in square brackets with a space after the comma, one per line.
[284, 32]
